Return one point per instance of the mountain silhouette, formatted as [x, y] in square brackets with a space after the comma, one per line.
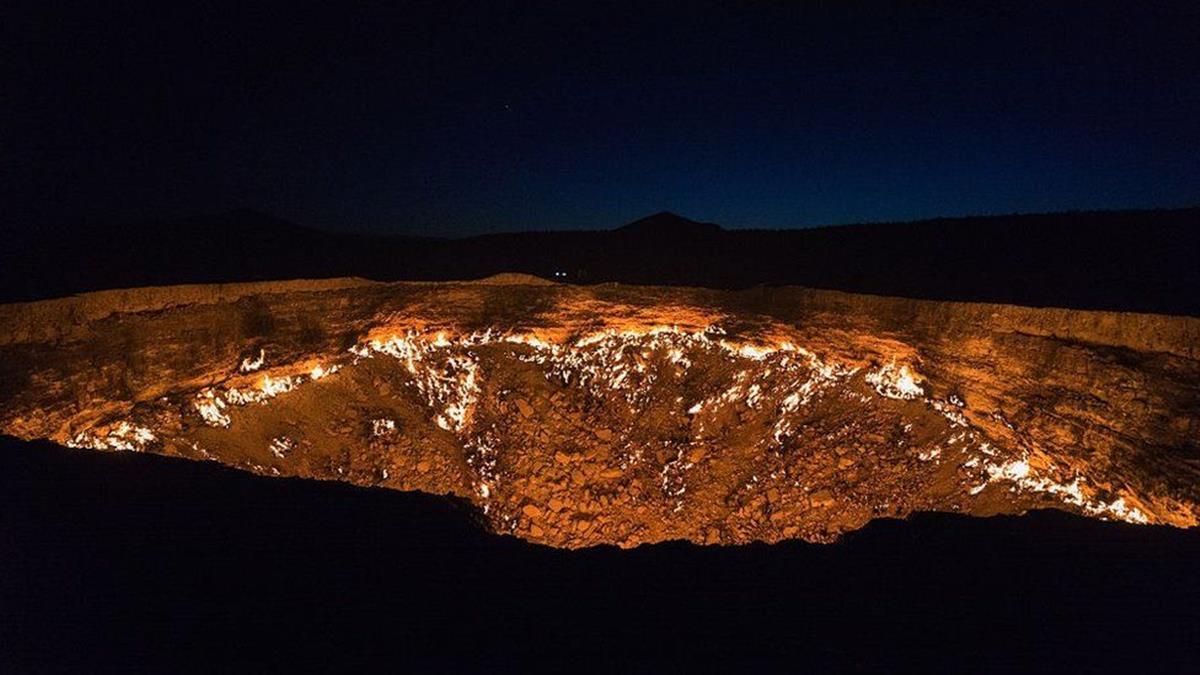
[667, 224]
[1143, 261]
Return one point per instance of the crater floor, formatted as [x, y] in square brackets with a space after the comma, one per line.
[575, 416]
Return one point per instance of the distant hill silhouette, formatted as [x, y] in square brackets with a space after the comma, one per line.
[667, 224]
[1146, 261]
[138, 563]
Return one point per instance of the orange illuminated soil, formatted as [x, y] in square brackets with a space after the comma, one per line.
[575, 416]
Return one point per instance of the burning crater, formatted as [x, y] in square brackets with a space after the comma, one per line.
[575, 416]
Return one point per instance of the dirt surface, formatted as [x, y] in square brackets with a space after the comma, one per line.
[575, 416]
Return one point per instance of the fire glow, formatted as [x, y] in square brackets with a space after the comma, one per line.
[625, 416]
[446, 373]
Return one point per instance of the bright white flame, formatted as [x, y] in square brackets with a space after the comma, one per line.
[212, 409]
[1020, 473]
[272, 387]
[120, 436]
[382, 427]
[249, 365]
[898, 383]
[281, 445]
[320, 371]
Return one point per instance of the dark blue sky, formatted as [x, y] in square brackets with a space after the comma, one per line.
[446, 118]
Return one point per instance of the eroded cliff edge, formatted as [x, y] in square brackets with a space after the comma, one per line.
[610, 414]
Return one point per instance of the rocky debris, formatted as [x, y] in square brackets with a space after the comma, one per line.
[524, 408]
[578, 416]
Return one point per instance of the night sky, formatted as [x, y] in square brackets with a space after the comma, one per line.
[444, 118]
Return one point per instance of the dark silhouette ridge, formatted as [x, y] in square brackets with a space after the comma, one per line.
[1143, 261]
[138, 562]
[667, 223]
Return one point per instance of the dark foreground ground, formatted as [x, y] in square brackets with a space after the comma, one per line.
[136, 562]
